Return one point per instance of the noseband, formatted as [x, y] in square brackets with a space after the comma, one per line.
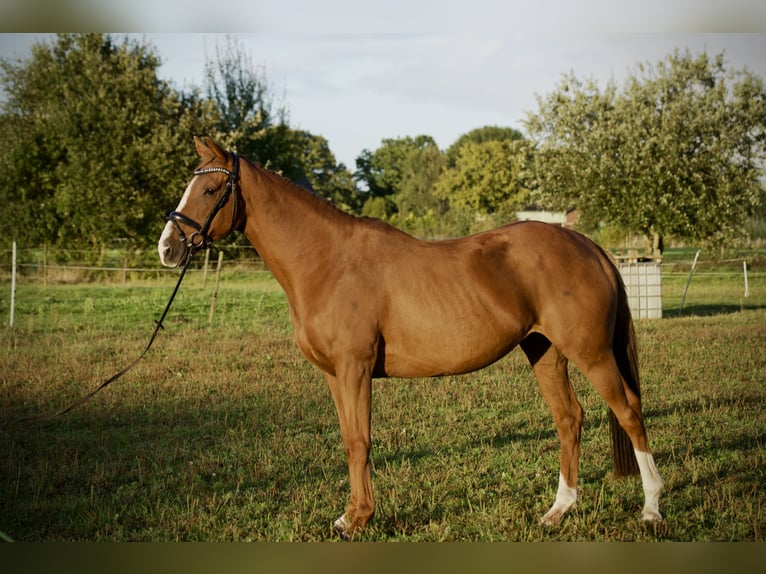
[200, 239]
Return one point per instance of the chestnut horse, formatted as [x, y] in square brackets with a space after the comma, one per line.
[368, 301]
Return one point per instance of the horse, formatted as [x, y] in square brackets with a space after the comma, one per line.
[369, 301]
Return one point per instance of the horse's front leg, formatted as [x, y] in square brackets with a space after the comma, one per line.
[351, 390]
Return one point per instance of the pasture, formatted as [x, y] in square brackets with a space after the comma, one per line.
[225, 432]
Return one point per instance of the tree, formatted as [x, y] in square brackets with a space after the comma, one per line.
[488, 177]
[397, 182]
[307, 159]
[421, 169]
[677, 151]
[380, 173]
[481, 135]
[244, 102]
[253, 123]
[94, 146]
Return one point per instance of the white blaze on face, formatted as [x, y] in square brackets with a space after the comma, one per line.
[166, 242]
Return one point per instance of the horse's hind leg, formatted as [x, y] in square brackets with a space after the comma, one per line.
[626, 406]
[550, 368]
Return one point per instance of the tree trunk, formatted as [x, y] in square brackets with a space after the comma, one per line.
[654, 242]
[658, 245]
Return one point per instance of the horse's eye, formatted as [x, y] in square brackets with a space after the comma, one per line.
[210, 191]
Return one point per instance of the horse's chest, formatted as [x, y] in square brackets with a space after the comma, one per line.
[331, 334]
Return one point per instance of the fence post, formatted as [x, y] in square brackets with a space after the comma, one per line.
[689, 280]
[215, 290]
[204, 269]
[747, 290]
[45, 265]
[13, 283]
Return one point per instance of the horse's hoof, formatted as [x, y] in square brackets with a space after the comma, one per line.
[552, 519]
[651, 516]
[556, 513]
[341, 528]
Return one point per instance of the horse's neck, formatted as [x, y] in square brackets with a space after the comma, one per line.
[289, 228]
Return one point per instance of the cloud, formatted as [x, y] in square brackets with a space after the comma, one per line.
[392, 16]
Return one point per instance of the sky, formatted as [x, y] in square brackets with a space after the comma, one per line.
[358, 72]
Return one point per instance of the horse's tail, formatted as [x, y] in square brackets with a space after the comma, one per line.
[626, 354]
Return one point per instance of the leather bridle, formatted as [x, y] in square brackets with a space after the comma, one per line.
[200, 238]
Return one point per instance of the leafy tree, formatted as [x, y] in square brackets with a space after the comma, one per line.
[255, 124]
[92, 142]
[244, 101]
[421, 169]
[417, 209]
[397, 182]
[380, 173]
[307, 159]
[481, 135]
[488, 177]
[380, 206]
[677, 151]
[410, 182]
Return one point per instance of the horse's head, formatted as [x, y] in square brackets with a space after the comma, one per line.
[208, 209]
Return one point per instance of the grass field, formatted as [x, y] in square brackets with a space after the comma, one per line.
[225, 432]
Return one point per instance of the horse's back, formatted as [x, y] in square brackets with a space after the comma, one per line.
[455, 306]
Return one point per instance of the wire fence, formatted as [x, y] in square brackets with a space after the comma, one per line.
[699, 285]
[44, 265]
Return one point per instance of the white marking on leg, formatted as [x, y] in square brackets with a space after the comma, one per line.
[566, 497]
[652, 483]
[341, 527]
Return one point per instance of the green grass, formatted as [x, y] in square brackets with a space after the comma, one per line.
[225, 432]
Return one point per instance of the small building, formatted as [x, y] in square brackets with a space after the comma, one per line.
[563, 218]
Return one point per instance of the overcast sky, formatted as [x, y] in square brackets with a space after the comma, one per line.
[358, 72]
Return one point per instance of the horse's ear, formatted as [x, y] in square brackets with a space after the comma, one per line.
[208, 149]
[201, 147]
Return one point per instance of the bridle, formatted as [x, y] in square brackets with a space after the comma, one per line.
[200, 239]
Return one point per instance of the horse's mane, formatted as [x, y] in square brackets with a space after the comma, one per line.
[321, 204]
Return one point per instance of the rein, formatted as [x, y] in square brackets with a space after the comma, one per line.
[192, 247]
[119, 374]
